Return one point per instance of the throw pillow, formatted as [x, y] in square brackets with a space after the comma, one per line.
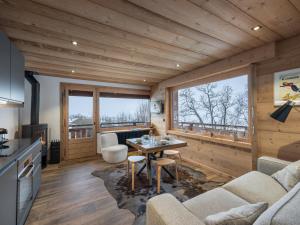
[289, 176]
[243, 215]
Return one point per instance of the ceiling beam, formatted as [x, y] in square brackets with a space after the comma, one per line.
[79, 27]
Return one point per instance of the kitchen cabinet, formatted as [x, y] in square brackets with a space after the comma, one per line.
[4, 67]
[8, 196]
[11, 72]
[16, 74]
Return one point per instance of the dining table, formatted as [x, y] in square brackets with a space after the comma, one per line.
[154, 148]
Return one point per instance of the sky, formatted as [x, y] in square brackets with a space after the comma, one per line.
[238, 85]
[113, 106]
[109, 106]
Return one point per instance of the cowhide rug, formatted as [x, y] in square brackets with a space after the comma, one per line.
[191, 183]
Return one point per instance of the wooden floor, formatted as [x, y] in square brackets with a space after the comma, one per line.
[70, 195]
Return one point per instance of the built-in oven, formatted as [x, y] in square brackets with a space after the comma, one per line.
[25, 187]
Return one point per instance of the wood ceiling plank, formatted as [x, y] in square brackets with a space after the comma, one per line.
[222, 66]
[75, 64]
[141, 45]
[203, 43]
[66, 74]
[232, 14]
[96, 12]
[63, 53]
[279, 15]
[88, 47]
[296, 3]
[43, 58]
[91, 71]
[190, 15]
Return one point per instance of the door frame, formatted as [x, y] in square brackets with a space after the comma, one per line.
[64, 92]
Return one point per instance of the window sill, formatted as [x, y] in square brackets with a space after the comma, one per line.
[244, 145]
[120, 130]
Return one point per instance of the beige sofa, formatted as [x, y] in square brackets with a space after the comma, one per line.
[253, 187]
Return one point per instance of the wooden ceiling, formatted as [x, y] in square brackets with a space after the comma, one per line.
[140, 41]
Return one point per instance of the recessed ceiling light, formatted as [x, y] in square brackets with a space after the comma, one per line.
[256, 28]
[73, 71]
[144, 80]
[177, 65]
[74, 43]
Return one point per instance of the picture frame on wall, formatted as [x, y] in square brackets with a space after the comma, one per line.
[156, 107]
[287, 87]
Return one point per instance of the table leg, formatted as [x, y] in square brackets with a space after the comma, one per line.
[168, 172]
[149, 169]
[141, 170]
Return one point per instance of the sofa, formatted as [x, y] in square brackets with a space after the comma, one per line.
[253, 187]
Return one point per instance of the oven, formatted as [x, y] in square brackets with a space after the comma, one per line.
[25, 187]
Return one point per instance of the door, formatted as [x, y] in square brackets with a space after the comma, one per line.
[79, 123]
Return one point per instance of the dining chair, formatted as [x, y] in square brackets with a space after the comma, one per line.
[159, 164]
[131, 161]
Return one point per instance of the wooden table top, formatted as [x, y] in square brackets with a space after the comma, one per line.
[147, 146]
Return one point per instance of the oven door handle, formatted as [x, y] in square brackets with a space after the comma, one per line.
[29, 173]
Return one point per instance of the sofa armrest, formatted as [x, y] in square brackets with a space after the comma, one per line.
[270, 165]
[165, 209]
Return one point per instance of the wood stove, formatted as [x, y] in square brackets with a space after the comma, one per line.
[36, 130]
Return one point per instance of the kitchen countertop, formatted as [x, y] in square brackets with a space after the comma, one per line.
[18, 147]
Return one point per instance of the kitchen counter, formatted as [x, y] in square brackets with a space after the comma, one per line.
[17, 147]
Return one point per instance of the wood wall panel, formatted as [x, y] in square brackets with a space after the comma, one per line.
[274, 138]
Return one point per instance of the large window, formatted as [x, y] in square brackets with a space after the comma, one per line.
[119, 111]
[215, 109]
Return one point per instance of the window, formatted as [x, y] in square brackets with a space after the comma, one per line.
[80, 114]
[214, 109]
[124, 111]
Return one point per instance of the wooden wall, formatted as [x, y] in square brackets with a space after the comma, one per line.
[277, 139]
[273, 138]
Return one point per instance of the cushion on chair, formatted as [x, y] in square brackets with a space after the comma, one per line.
[115, 148]
[115, 154]
[109, 139]
[256, 187]
[285, 211]
[212, 202]
[243, 215]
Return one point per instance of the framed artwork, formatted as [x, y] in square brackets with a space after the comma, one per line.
[156, 107]
[287, 87]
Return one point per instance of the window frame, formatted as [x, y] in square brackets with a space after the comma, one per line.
[170, 129]
[125, 96]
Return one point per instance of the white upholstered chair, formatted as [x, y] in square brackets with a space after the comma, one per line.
[111, 151]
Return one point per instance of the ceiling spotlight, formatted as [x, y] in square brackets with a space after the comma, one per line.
[73, 71]
[144, 80]
[74, 43]
[256, 28]
[177, 65]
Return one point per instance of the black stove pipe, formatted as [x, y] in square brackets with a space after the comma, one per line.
[35, 97]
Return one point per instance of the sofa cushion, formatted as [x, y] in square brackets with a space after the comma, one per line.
[243, 215]
[212, 202]
[256, 187]
[285, 211]
[289, 176]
